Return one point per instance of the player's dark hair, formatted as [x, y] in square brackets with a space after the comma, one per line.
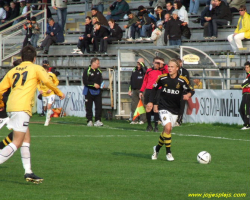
[247, 63]
[28, 53]
[17, 62]
[93, 60]
[175, 61]
[88, 17]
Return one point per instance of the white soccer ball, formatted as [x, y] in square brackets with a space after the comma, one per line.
[204, 157]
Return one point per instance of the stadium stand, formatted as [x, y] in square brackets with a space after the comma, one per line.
[71, 66]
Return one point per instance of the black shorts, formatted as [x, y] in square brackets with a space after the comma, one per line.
[147, 96]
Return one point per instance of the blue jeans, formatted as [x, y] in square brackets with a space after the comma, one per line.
[62, 16]
[33, 40]
[194, 6]
[99, 7]
[145, 29]
[174, 42]
[134, 29]
[114, 17]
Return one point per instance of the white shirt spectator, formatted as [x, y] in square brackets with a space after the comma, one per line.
[25, 9]
[2, 13]
[183, 15]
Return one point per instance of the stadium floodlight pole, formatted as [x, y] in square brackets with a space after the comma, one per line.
[1, 53]
[119, 83]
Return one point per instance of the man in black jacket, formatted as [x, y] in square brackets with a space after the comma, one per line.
[174, 29]
[92, 79]
[95, 13]
[100, 33]
[115, 35]
[220, 16]
[136, 81]
[145, 25]
[85, 39]
[165, 25]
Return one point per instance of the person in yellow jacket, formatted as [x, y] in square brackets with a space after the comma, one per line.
[23, 80]
[242, 31]
[48, 96]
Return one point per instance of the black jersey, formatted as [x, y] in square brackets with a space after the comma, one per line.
[171, 92]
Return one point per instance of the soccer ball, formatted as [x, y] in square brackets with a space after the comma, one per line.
[204, 157]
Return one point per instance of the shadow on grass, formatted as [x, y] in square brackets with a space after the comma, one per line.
[147, 156]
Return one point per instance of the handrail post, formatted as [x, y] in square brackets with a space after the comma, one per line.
[45, 19]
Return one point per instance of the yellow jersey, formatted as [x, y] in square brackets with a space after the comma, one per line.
[42, 87]
[199, 86]
[23, 81]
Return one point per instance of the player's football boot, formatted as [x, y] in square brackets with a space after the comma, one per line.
[46, 122]
[149, 128]
[33, 178]
[156, 129]
[155, 154]
[170, 157]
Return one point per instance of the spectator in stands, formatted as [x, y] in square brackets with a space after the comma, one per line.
[221, 16]
[28, 28]
[94, 20]
[156, 34]
[98, 4]
[165, 25]
[54, 34]
[118, 9]
[235, 4]
[114, 35]
[102, 20]
[35, 32]
[40, 7]
[136, 81]
[182, 13]
[85, 39]
[22, 11]
[205, 16]
[242, 30]
[169, 8]
[144, 10]
[2, 13]
[199, 19]
[194, 7]
[14, 10]
[197, 82]
[173, 30]
[145, 25]
[8, 13]
[99, 33]
[160, 14]
[61, 9]
[132, 20]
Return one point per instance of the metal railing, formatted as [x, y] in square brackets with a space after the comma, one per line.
[10, 38]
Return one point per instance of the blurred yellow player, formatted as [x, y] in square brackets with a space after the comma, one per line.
[48, 94]
[23, 80]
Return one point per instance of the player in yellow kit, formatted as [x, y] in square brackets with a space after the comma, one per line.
[48, 94]
[23, 81]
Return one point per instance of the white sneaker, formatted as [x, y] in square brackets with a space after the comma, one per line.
[79, 52]
[170, 157]
[46, 122]
[76, 49]
[90, 123]
[74, 52]
[4, 121]
[98, 123]
[133, 122]
[155, 154]
[243, 128]
[130, 39]
[141, 122]
[148, 39]
[139, 39]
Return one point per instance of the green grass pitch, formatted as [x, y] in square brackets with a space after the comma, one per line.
[114, 162]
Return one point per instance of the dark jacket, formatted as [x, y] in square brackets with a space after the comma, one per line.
[119, 8]
[58, 33]
[101, 33]
[8, 15]
[88, 30]
[182, 71]
[14, 13]
[165, 25]
[174, 29]
[161, 17]
[146, 19]
[222, 12]
[91, 76]
[132, 21]
[3, 113]
[101, 18]
[116, 32]
[136, 78]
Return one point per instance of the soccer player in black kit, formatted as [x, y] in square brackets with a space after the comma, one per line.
[169, 102]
